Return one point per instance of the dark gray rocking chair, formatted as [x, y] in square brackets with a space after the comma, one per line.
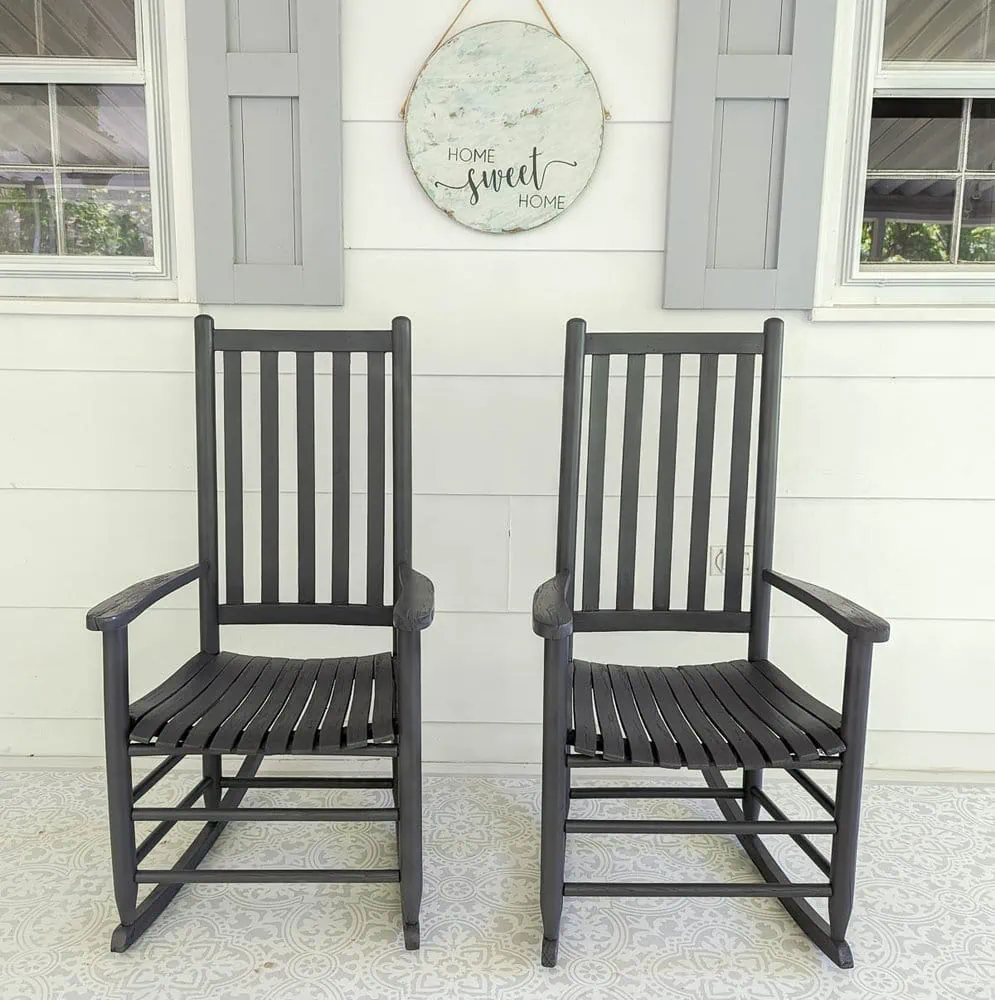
[744, 714]
[225, 703]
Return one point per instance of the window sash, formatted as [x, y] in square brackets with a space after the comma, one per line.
[145, 72]
[878, 78]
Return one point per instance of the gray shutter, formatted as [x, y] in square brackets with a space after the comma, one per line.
[750, 124]
[266, 121]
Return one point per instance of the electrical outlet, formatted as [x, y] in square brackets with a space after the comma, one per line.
[717, 560]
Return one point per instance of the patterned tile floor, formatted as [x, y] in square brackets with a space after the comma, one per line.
[924, 925]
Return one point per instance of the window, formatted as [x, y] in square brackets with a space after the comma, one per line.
[80, 182]
[922, 204]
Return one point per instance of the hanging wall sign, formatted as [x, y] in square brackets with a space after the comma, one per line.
[504, 126]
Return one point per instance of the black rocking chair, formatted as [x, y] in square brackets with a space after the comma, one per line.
[251, 706]
[745, 714]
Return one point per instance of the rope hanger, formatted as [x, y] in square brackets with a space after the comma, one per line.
[446, 34]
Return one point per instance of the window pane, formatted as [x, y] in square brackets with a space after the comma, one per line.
[89, 29]
[942, 30]
[27, 213]
[102, 126]
[108, 215]
[17, 28]
[25, 129]
[981, 148]
[908, 221]
[977, 241]
[915, 134]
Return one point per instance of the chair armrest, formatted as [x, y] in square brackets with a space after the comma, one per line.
[414, 608]
[552, 617]
[119, 611]
[855, 621]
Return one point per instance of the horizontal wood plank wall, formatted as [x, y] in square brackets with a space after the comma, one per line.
[861, 511]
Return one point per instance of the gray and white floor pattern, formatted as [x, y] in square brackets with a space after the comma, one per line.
[924, 925]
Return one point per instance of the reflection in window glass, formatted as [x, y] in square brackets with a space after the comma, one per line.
[69, 29]
[107, 214]
[102, 126]
[27, 213]
[89, 29]
[940, 30]
[25, 126]
[908, 221]
[915, 134]
[981, 146]
[17, 28]
[977, 238]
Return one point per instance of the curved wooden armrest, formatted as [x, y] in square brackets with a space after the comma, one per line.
[414, 608]
[119, 611]
[855, 621]
[552, 617]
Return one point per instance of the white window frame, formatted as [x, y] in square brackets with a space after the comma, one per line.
[860, 47]
[65, 276]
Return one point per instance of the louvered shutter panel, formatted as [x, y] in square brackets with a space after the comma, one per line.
[265, 104]
[750, 125]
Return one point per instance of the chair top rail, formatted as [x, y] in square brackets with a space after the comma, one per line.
[304, 340]
[674, 343]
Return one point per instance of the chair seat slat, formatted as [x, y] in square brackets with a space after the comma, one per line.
[608, 723]
[333, 723]
[171, 685]
[147, 726]
[358, 727]
[203, 730]
[656, 723]
[307, 726]
[640, 749]
[278, 739]
[671, 684]
[798, 694]
[231, 730]
[746, 750]
[772, 746]
[826, 737]
[797, 741]
[255, 732]
[383, 701]
[585, 731]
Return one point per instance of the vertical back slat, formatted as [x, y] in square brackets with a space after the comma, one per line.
[702, 489]
[375, 476]
[269, 421]
[666, 473]
[234, 566]
[305, 479]
[595, 498]
[629, 502]
[739, 480]
[340, 476]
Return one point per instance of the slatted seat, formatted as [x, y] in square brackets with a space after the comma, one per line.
[251, 704]
[724, 715]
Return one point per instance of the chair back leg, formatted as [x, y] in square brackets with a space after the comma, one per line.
[212, 764]
[409, 783]
[751, 805]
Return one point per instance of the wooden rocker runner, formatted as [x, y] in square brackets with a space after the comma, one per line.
[222, 703]
[745, 714]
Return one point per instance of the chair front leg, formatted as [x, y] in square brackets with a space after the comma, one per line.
[555, 792]
[409, 783]
[843, 870]
[117, 728]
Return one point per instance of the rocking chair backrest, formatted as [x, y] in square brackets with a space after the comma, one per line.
[293, 488]
[649, 526]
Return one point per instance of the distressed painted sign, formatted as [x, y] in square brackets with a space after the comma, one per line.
[505, 127]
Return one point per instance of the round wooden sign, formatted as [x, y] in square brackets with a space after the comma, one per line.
[505, 127]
